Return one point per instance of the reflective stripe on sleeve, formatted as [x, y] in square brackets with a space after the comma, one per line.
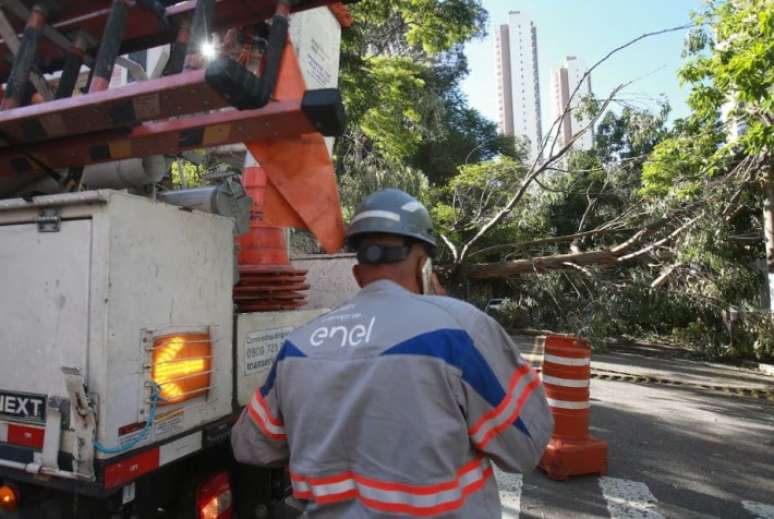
[523, 383]
[259, 411]
[418, 501]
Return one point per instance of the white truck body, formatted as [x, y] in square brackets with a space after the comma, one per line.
[89, 281]
[91, 296]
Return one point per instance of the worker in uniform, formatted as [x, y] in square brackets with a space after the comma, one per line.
[396, 403]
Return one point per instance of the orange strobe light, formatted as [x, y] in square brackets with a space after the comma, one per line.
[182, 366]
[9, 499]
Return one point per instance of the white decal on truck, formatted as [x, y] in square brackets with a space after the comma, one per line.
[22, 405]
[261, 348]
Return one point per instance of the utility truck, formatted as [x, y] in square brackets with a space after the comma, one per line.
[136, 319]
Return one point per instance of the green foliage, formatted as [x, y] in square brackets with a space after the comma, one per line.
[402, 62]
[473, 196]
[410, 127]
[463, 136]
[731, 71]
[632, 133]
[430, 25]
[762, 331]
[715, 269]
[381, 97]
[184, 174]
[737, 66]
[369, 173]
[680, 164]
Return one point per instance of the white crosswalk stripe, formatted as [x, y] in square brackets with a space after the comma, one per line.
[629, 499]
[510, 486]
[759, 510]
[624, 499]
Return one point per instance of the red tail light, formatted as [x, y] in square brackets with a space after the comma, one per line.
[9, 499]
[213, 499]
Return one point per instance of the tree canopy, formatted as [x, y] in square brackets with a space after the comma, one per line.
[655, 230]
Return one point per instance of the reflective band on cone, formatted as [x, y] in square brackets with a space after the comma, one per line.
[566, 404]
[566, 361]
[565, 382]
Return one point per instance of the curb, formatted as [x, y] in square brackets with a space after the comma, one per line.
[749, 392]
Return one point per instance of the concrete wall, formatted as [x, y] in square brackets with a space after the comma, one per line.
[331, 278]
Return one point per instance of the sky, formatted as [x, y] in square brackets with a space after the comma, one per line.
[589, 29]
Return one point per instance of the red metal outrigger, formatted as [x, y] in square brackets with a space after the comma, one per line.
[185, 109]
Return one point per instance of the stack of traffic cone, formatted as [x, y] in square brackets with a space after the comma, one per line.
[566, 377]
[267, 280]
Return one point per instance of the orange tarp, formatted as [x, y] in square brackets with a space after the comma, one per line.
[301, 191]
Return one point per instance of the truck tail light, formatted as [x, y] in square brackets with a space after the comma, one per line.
[213, 498]
[181, 366]
[9, 498]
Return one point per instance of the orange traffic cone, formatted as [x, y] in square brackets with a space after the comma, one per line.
[267, 280]
[566, 377]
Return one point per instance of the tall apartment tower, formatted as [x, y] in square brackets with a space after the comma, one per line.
[567, 78]
[518, 84]
[504, 90]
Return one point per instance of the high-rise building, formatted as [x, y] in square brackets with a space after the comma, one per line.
[518, 84]
[504, 90]
[567, 79]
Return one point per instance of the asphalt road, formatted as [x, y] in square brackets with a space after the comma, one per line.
[673, 452]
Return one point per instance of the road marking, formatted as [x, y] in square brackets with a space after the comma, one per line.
[629, 499]
[510, 486]
[759, 510]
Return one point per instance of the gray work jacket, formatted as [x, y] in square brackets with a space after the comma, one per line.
[395, 404]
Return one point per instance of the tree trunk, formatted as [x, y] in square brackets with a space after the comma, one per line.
[768, 219]
[541, 264]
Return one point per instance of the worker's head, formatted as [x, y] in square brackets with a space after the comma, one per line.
[393, 236]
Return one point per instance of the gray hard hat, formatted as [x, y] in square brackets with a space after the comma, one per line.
[392, 211]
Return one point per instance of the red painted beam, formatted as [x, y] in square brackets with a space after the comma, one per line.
[278, 119]
[126, 106]
[144, 30]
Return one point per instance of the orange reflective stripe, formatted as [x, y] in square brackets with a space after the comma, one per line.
[272, 427]
[386, 496]
[508, 410]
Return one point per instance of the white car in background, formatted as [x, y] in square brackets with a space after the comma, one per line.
[495, 305]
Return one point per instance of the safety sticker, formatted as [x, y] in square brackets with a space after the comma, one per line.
[127, 434]
[170, 423]
[261, 347]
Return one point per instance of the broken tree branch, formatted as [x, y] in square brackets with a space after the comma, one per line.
[615, 255]
[537, 168]
[452, 248]
[527, 181]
